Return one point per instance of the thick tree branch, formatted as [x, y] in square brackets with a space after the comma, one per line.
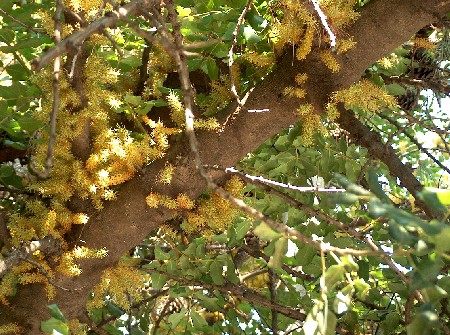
[383, 25]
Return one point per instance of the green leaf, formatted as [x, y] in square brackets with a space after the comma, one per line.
[175, 318]
[434, 293]
[250, 35]
[182, 11]
[160, 254]
[372, 179]
[215, 272]
[334, 275]
[114, 310]
[423, 322]
[242, 229]
[52, 324]
[30, 124]
[391, 322]
[158, 280]
[363, 269]
[15, 145]
[6, 171]
[56, 312]
[132, 99]
[265, 233]
[198, 321]
[281, 247]
[395, 89]
[17, 72]
[209, 66]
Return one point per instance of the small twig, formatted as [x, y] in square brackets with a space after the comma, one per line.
[273, 298]
[113, 42]
[49, 278]
[408, 307]
[413, 140]
[134, 306]
[12, 18]
[323, 19]
[231, 52]
[232, 170]
[47, 244]
[56, 97]
[77, 38]
[252, 274]
[236, 290]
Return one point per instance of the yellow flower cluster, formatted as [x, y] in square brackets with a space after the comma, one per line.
[296, 28]
[176, 109]
[294, 92]
[115, 159]
[220, 95]
[424, 43]
[311, 123]
[306, 43]
[77, 328]
[26, 273]
[344, 45]
[168, 232]
[84, 5]
[166, 174]
[10, 328]
[329, 60]
[263, 60]
[363, 94]
[67, 265]
[37, 222]
[47, 23]
[215, 212]
[120, 284]
[182, 201]
[389, 61]
[340, 13]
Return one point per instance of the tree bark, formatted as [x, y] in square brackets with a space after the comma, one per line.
[122, 224]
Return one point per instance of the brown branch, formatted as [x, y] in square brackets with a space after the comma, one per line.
[47, 245]
[419, 83]
[413, 140]
[231, 52]
[56, 98]
[76, 39]
[12, 18]
[236, 290]
[134, 306]
[126, 222]
[366, 137]
[273, 298]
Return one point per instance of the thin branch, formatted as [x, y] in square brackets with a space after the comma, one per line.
[413, 140]
[273, 298]
[56, 97]
[134, 306]
[232, 170]
[47, 244]
[49, 278]
[230, 52]
[323, 19]
[183, 73]
[12, 18]
[236, 290]
[77, 38]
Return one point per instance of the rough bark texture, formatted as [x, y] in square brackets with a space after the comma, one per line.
[383, 25]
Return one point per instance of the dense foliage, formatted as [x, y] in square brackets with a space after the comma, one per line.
[338, 224]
